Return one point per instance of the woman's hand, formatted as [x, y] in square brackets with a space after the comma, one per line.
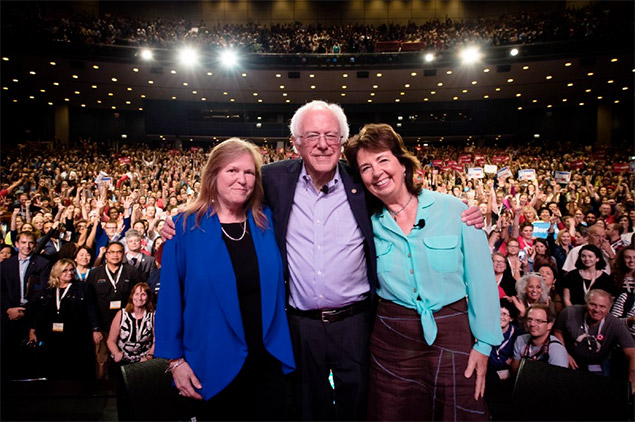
[477, 362]
[471, 216]
[97, 337]
[186, 381]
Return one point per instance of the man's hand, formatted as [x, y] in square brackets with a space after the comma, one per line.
[15, 313]
[168, 231]
[471, 216]
[477, 361]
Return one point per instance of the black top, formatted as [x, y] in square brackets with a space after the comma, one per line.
[574, 281]
[245, 263]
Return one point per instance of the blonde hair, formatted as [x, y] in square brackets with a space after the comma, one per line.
[58, 268]
[221, 155]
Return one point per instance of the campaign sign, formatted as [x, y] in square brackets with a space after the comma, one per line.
[124, 160]
[475, 173]
[465, 158]
[527, 174]
[541, 229]
[437, 163]
[621, 167]
[577, 164]
[490, 168]
[457, 167]
[562, 176]
[504, 173]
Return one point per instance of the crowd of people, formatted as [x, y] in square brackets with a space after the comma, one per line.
[82, 251]
[37, 23]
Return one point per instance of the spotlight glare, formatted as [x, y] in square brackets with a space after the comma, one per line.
[470, 55]
[146, 54]
[228, 58]
[428, 57]
[513, 52]
[188, 56]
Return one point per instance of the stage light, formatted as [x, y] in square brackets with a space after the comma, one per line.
[470, 55]
[228, 58]
[188, 56]
[146, 54]
[513, 52]
[428, 57]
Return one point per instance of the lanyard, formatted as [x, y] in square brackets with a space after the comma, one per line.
[596, 339]
[114, 282]
[81, 276]
[544, 349]
[58, 299]
[503, 344]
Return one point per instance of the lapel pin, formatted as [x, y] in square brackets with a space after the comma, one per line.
[353, 190]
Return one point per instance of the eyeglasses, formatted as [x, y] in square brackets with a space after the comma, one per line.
[115, 252]
[537, 321]
[314, 137]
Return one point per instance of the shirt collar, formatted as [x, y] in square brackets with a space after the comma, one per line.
[306, 178]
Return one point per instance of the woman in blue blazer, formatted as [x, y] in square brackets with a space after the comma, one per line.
[220, 317]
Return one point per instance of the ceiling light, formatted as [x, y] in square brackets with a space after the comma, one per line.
[470, 55]
[616, 101]
[513, 52]
[407, 86]
[52, 63]
[474, 82]
[129, 89]
[613, 60]
[425, 99]
[455, 98]
[312, 86]
[209, 73]
[548, 77]
[600, 97]
[311, 75]
[114, 79]
[525, 67]
[344, 86]
[567, 64]
[203, 99]
[255, 94]
[173, 72]
[244, 75]
[449, 72]
[486, 96]
[75, 77]
[497, 89]
[146, 54]
[464, 91]
[510, 80]
[428, 57]
[194, 92]
[440, 84]
[610, 81]
[372, 94]
[375, 86]
[228, 58]
[185, 84]
[570, 84]
[581, 104]
[413, 74]
[150, 82]
[188, 56]
[486, 70]
[518, 94]
[345, 75]
[379, 75]
[397, 100]
[93, 86]
[6, 59]
[278, 75]
[56, 83]
[134, 69]
[32, 72]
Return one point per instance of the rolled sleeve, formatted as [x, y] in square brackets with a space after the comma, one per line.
[482, 293]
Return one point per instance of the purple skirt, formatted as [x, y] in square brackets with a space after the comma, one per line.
[410, 380]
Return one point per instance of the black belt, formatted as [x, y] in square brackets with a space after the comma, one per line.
[333, 315]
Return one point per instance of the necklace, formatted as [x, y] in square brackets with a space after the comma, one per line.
[241, 236]
[394, 213]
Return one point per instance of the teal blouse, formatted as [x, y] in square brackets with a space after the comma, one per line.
[437, 265]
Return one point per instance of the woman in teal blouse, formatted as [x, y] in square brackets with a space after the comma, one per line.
[438, 314]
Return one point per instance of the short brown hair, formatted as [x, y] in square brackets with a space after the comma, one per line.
[380, 137]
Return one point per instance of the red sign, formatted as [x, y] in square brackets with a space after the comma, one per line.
[499, 159]
[599, 155]
[457, 167]
[446, 168]
[124, 160]
[465, 158]
[174, 151]
[194, 149]
[479, 158]
[437, 163]
[577, 164]
[621, 167]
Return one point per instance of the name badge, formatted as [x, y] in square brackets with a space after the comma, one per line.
[503, 374]
[595, 368]
[115, 304]
[58, 327]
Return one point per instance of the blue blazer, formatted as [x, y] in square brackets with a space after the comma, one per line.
[198, 314]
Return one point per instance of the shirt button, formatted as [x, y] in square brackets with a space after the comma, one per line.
[409, 255]
[412, 271]
[415, 290]
[319, 247]
[319, 272]
[317, 221]
[321, 297]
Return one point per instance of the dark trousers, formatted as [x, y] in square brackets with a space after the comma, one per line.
[342, 347]
[260, 392]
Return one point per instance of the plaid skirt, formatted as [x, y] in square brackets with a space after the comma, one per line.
[410, 380]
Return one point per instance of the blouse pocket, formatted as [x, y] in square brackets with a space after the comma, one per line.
[442, 252]
[385, 257]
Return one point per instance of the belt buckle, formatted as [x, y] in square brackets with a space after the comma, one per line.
[324, 315]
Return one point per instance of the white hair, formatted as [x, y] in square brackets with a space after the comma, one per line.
[296, 121]
[521, 287]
